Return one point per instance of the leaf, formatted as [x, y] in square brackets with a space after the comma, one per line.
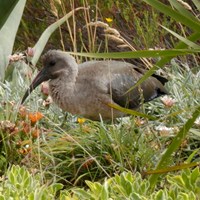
[172, 168]
[192, 155]
[197, 4]
[6, 7]
[174, 145]
[139, 54]
[185, 40]
[7, 36]
[83, 194]
[39, 46]
[194, 37]
[193, 24]
[131, 112]
[181, 9]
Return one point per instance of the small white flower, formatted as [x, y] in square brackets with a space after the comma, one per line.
[168, 101]
[197, 121]
[166, 131]
[163, 128]
[16, 57]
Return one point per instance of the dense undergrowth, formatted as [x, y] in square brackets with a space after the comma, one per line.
[46, 154]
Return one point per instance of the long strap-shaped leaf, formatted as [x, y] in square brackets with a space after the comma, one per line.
[140, 53]
[6, 8]
[197, 4]
[8, 34]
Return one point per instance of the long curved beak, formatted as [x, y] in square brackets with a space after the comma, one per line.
[41, 77]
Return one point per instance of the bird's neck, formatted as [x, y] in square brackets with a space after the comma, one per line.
[63, 87]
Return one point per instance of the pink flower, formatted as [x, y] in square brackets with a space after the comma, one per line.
[45, 88]
[30, 52]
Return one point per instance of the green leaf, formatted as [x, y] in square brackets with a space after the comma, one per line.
[104, 192]
[83, 194]
[136, 196]
[197, 4]
[11, 177]
[192, 155]
[185, 40]
[160, 195]
[7, 35]
[194, 37]
[139, 54]
[6, 7]
[131, 112]
[2, 197]
[39, 46]
[174, 145]
[172, 168]
[195, 175]
[193, 24]
[181, 9]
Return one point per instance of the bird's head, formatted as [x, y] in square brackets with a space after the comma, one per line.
[55, 64]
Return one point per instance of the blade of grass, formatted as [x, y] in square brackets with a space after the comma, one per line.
[132, 112]
[139, 54]
[197, 4]
[193, 24]
[171, 169]
[194, 37]
[185, 40]
[163, 61]
[181, 9]
[165, 160]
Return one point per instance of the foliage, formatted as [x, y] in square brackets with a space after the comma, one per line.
[8, 32]
[20, 184]
[5, 10]
[129, 186]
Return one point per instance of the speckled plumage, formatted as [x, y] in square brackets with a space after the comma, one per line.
[87, 89]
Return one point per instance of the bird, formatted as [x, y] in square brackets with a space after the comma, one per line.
[88, 89]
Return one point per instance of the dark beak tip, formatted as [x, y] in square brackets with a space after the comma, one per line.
[25, 97]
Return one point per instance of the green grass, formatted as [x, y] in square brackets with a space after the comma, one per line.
[70, 152]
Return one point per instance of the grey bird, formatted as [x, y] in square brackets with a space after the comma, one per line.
[89, 88]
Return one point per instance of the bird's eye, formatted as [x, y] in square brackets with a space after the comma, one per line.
[52, 62]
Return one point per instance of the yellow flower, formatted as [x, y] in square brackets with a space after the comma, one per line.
[108, 19]
[81, 120]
